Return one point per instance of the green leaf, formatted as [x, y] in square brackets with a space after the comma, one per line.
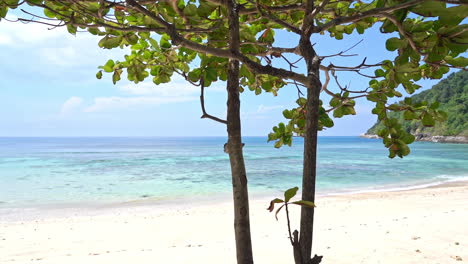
[290, 193]
[164, 42]
[116, 76]
[379, 73]
[459, 62]
[409, 115]
[109, 42]
[132, 39]
[428, 120]
[394, 44]
[304, 203]
[287, 114]
[48, 13]
[99, 74]
[109, 66]
[278, 144]
[194, 75]
[154, 43]
[162, 78]
[3, 11]
[453, 15]
[334, 102]
[429, 8]
[408, 138]
[301, 101]
[190, 10]
[211, 74]
[326, 121]
[71, 29]
[94, 31]
[272, 204]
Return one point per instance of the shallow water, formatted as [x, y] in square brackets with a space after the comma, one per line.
[55, 171]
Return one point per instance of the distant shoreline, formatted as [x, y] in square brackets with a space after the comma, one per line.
[429, 138]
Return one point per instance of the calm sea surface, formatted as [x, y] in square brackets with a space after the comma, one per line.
[55, 171]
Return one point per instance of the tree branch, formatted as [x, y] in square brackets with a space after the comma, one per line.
[327, 81]
[253, 11]
[317, 10]
[179, 40]
[202, 103]
[403, 33]
[278, 21]
[308, 22]
[374, 12]
[342, 53]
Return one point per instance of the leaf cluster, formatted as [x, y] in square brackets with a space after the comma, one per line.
[446, 110]
[190, 38]
[288, 195]
[283, 134]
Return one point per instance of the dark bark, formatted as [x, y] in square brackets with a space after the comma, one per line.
[234, 147]
[309, 170]
[304, 245]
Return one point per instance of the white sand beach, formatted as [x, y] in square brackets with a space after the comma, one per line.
[417, 226]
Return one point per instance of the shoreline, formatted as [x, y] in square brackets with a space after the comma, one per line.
[70, 209]
[414, 226]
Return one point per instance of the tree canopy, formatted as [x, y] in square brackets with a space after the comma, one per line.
[205, 41]
[190, 38]
[451, 94]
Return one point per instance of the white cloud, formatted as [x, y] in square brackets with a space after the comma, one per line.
[59, 56]
[14, 33]
[177, 87]
[5, 40]
[53, 46]
[172, 89]
[116, 102]
[70, 105]
[261, 112]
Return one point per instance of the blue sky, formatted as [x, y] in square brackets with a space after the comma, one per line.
[48, 88]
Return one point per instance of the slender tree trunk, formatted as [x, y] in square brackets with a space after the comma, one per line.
[309, 173]
[234, 147]
[310, 153]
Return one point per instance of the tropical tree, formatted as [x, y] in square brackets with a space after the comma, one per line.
[234, 40]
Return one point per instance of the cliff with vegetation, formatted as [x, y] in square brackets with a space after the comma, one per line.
[452, 94]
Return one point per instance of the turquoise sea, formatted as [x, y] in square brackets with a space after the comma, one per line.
[64, 171]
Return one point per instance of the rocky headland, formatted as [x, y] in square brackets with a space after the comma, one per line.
[430, 138]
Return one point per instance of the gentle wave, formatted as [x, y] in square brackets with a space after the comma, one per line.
[447, 179]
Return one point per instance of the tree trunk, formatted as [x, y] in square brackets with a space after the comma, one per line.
[304, 244]
[309, 173]
[234, 147]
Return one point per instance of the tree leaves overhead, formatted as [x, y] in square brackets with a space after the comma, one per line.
[190, 39]
[441, 110]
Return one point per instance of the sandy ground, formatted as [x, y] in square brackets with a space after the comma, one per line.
[418, 226]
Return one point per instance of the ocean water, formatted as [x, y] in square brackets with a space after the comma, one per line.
[59, 171]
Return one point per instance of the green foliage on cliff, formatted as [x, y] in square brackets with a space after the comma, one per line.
[452, 95]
